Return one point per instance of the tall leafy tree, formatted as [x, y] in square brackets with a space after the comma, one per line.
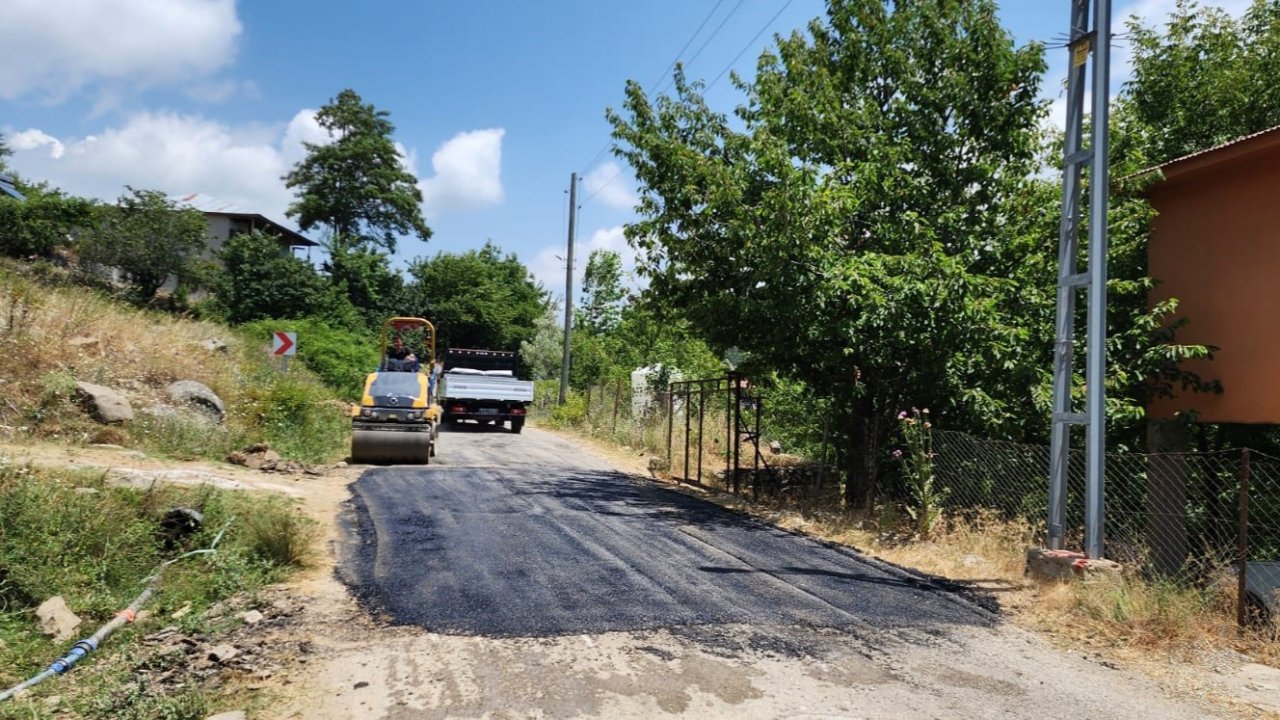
[602, 292]
[4, 153]
[145, 236]
[542, 354]
[259, 282]
[853, 230]
[356, 186]
[477, 299]
[43, 222]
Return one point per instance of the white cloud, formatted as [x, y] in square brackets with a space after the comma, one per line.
[53, 48]
[607, 184]
[468, 173]
[177, 154]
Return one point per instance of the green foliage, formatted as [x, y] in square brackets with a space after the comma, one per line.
[4, 152]
[258, 281]
[852, 231]
[97, 553]
[542, 354]
[356, 185]
[42, 223]
[924, 496]
[1204, 78]
[476, 299]
[365, 281]
[340, 357]
[146, 236]
[298, 418]
[602, 293]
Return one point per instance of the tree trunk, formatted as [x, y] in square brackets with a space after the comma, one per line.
[1167, 474]
[860, 468]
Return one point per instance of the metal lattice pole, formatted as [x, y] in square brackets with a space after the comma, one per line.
[1093, 279]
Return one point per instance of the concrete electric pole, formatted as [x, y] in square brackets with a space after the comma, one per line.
[568, 287]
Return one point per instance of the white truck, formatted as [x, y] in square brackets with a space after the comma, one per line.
[481, 385]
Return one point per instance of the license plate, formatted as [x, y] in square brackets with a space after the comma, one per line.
[488, 411]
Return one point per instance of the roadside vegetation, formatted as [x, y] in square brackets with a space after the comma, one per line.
[97, 551]
[858, 252]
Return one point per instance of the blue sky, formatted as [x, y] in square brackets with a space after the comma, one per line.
[495, 103]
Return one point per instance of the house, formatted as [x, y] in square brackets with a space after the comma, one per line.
[226, 221]
[1215, 246]
[8, 188]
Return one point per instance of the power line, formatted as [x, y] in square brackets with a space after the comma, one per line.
[750, 42]
[706, 42]
[666, 73]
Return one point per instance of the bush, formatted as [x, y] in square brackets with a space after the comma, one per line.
[42, 223]
[341, 358]
[298, 418]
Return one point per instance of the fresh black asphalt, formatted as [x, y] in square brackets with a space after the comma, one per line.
[551, 548]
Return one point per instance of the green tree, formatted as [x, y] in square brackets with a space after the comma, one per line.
[367, 281]
[42, 223]
[853, 230]
[602, 293]
[145, 236]
[542, 354]
[4, 153]
[259, 282]
[357, 185]
[478, 299]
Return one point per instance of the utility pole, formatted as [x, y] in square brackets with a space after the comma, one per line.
[1092, 280]
[568, 287]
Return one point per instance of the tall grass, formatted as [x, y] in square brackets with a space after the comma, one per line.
[52, 336]
[98, 549]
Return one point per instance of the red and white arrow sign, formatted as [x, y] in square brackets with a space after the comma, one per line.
[284, 343]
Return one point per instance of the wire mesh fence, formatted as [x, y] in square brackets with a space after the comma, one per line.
[1192, 517]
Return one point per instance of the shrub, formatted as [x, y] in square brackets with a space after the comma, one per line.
[340, 357]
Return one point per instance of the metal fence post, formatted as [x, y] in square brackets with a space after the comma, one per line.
[617, 400]
[1242, 540]
[671, 414]
[702, 408]
[688, 419]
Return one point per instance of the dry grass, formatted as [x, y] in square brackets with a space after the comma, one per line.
[54, 335]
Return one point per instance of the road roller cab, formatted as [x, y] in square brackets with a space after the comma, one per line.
[398, 418]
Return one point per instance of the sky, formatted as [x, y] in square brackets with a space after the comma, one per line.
[495, 103]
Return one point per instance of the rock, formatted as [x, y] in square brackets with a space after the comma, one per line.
[775, 447]
[233, 715]
[106, 405]
[213, 345]
[1051, 565]
[271, 456]
[198, 396]
[972, 560]
[251, 617]
[359, 685]
[142, 616]
[339, 465]
[181, 612]
[222, 653]
[53, 702]
[86, 491]
[56, 619]
[85, 343]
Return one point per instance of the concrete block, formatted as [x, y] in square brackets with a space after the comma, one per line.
[1066, 565]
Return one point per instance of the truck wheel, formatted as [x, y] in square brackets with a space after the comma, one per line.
[517, 425]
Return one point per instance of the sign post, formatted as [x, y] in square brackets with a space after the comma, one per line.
[284, 345]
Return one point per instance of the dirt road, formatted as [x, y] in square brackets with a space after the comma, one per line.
[520, 576]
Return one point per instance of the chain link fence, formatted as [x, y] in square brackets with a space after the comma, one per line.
[1191, 517]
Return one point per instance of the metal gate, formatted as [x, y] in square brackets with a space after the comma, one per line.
[698, 401]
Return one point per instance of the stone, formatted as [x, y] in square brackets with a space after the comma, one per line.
[972, 560]
[56, 619]
[181, 612]
[198, 396]
[85, 343]
[233, 715]
[52, 702]
[223, 653]
[106, 405]
[775, 447]
[251, 617]
[1054, 565]
[213, 345]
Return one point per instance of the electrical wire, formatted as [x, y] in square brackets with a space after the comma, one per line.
[750, 42]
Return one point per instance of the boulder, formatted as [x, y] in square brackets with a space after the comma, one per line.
[198, 396]
[56, 619]
[106, 405]
[213, 345]
[223, 653]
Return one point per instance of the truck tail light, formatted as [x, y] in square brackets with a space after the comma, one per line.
[458, 409]
[517, 411]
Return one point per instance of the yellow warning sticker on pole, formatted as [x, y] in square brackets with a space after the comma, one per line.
[1080, 51]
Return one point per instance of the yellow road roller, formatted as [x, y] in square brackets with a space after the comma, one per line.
[398, 419]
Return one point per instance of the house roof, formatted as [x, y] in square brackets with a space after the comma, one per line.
[8, 187]
[210, 205]
[1197, 162]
